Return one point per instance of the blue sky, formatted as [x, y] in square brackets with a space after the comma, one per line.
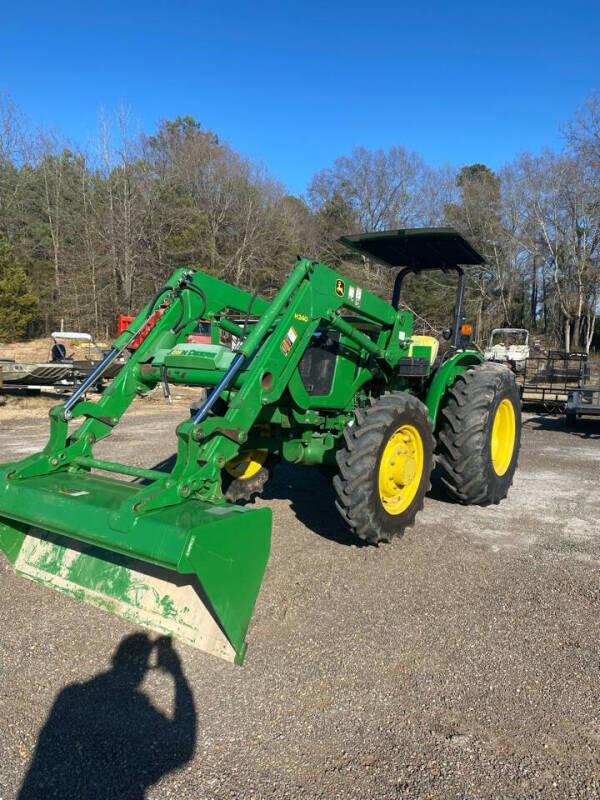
[297, 84]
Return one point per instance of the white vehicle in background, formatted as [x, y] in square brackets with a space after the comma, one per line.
[509, 346]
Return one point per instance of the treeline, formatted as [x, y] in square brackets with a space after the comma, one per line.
[85, 235]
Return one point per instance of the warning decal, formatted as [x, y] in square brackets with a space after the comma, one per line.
[288, 342]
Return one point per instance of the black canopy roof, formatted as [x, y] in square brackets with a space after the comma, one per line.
[415, 247]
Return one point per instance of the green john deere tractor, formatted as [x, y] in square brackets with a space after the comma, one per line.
[326, 374]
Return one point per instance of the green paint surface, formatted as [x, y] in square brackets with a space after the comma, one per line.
[159, 551]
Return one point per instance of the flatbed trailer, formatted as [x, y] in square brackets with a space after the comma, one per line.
[548, 379]
[582, 401]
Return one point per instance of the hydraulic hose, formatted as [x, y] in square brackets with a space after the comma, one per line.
[114, 351]
[236, 365]
[179, 326]
[251, 303]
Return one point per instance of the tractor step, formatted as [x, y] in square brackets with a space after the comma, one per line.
[193, 569]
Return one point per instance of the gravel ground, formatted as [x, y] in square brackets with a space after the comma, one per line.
[461, 661]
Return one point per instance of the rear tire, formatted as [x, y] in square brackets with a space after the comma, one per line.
[480, 435]
[385, 467]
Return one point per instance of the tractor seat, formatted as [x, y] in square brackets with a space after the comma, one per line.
[425, 341]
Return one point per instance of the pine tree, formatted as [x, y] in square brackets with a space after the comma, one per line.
[17, 301]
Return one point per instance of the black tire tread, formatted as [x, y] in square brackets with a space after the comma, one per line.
[236, 490]
[358, 462]
[463, 443]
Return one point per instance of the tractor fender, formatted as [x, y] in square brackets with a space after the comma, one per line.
[445, 377]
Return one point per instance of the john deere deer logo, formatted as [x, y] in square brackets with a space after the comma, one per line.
[340, 288]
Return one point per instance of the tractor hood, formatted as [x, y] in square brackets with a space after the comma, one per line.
[419, 248]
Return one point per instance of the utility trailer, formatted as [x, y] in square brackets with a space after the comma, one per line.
[583, 401]
[547, 379]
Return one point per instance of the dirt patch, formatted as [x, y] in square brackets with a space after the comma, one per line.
[460, 661]
[19, 405]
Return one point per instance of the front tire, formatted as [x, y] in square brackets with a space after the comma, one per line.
[245, 475]
[385, 467]
[480, 435]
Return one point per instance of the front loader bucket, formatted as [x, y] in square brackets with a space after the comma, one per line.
[192, 570]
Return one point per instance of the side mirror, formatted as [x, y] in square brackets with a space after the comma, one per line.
[447, 334]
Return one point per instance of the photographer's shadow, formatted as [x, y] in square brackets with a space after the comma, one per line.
[105, 739]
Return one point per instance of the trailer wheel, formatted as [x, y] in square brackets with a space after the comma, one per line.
[385, 467]
[479, 435]
[246, 474]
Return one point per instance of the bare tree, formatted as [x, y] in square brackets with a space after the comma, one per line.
[559, 210]
[16, 150]
[382, 188]
[583, 132]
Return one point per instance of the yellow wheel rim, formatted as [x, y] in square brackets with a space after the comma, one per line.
[503, 436]
[401, 469]
[247, 464]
